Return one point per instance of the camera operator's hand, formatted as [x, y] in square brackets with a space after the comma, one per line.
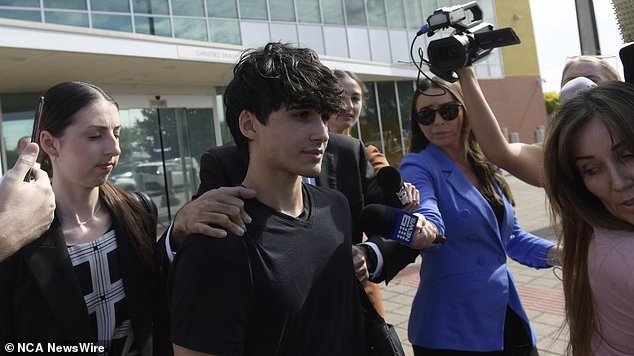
[223, 207]
[26, 208]
[466, 73]
[425, 235]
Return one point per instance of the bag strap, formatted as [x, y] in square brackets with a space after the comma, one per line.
[147, 202]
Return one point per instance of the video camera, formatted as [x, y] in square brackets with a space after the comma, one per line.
[470, 41]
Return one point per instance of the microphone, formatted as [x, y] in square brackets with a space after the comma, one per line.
[391, 183]
[391, 223]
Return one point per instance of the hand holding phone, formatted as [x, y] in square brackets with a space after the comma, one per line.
[36, 129]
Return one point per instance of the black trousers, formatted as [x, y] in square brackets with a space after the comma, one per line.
[517, 341]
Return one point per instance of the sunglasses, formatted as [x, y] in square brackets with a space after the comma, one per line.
[448, 111]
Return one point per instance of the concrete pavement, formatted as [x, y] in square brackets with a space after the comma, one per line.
[540, 290]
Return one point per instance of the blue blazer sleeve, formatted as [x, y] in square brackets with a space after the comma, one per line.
[415, 170]
[526, 248]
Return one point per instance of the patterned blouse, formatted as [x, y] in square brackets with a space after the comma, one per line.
[97, 268]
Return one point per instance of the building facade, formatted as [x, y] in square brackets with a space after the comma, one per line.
[624, 10]
[166, 63]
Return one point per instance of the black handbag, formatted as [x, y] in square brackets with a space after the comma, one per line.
[381, 337]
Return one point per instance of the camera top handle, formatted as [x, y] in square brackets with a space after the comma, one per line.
[454, 16]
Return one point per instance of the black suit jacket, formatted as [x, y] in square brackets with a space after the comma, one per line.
[344, 167]
[41, 300]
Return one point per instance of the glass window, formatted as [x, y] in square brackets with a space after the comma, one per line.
[358, 43]
[488, 10]
[110, 5]
[151, 7]
[166, 167]
[400, 46]
[497, 72]
[355, 13]
[376, 13]
[188, 8]
[222, 8]
[21, 15]
[308, 11]
[112, 22]
[282, 10]
[200, 132]
[66, 4]
[390, 123]
[413, 13]
[225, 133]
[24, 3]
[405, 94]
[369, 120]
[159, 26]
[333, 11]
[381, 45]
[396, 15]
[336, 41]
[191, 29]
[428, 8]
[311, 37]
[482, 70]
[224, 31]
[254, 34]
[283, 33]
[67, 18]
[253, 9]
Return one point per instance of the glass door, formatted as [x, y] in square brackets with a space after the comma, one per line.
[161, 149]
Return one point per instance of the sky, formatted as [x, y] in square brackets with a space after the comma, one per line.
[557, 36]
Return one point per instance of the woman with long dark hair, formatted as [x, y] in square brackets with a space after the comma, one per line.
[90, 277]
[589, 166]
[466, 302]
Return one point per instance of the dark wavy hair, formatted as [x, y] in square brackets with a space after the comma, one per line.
[486, 172]
[277, 75]
[574, 205]
[62, 102]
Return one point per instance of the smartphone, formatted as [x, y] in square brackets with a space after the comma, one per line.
[36, 130]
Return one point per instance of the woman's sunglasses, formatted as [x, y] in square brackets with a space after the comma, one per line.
[448, 111]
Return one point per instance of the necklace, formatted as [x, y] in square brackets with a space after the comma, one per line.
[77, 221]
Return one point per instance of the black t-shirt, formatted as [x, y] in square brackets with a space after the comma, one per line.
[286, 288]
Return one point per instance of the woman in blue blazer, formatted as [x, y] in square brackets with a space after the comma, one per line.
[467, 301]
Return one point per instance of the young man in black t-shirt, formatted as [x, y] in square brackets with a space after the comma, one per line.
[287, 287]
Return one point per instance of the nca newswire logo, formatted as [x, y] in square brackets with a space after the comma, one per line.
[406, 228]
[52, 347]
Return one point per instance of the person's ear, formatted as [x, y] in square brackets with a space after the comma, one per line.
[247, 123]
[49, 144]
